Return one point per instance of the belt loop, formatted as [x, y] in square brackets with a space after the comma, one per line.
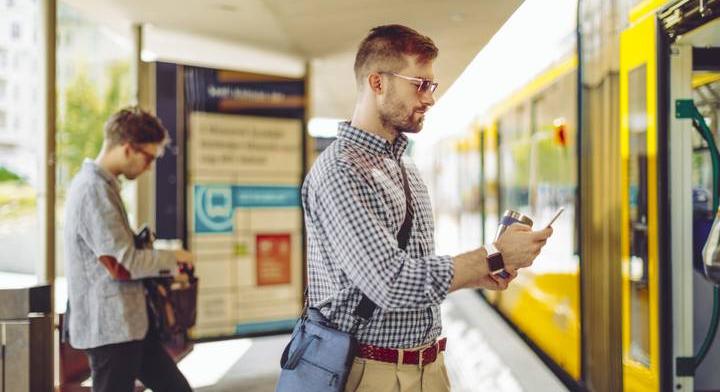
[401, 357]
[436, 347]
[420, 358]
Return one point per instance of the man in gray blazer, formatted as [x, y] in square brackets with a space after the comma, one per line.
[108, 316]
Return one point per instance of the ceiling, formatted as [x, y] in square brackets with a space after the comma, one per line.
[323, 32]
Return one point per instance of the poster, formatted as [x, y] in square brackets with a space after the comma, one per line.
[239, 181]
[272, 255]
[246, 221]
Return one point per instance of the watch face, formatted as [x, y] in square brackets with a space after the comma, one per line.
[495, 263]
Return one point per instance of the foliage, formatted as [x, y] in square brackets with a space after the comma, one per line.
[17, 199]
[80, 128]
[7, 175]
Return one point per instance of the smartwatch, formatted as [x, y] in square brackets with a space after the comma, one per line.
[496, 265]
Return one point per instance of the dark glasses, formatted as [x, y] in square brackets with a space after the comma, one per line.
[423, 85]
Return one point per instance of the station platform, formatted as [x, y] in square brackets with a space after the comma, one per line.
[483, 354]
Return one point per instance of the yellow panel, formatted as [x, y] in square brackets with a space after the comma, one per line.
[645, 8]
[491, 137]
[637, 47]
[474, 142]
[703, 78]
[546, 308]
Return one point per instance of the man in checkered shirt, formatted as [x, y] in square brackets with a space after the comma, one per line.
[355, 204]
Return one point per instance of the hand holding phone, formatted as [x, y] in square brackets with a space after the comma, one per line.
[501, 273]
[557, 214]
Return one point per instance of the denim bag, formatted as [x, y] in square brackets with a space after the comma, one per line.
[319, 356]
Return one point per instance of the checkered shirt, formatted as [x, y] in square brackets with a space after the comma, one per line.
[354, 206]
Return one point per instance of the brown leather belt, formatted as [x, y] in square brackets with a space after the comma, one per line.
[409, 357]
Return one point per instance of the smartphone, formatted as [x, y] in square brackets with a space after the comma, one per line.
[557, 214]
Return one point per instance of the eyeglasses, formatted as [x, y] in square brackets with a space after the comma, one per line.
[149, 158]
[423, 85]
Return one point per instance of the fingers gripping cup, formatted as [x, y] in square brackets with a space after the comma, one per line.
[510, 217]
[495, 261]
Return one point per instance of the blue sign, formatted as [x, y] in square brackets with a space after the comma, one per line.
[214, 205]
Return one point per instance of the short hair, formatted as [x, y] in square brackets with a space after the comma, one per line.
[135, 126]
[385, 46]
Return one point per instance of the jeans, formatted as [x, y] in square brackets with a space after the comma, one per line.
[115, 367]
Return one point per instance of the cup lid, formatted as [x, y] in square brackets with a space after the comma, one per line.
[520, 217]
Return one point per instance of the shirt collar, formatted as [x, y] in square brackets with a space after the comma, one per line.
[89, 164]
[373, 143]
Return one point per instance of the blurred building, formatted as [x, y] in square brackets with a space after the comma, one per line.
[19, 87]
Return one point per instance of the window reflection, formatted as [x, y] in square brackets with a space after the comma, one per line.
[638, 177]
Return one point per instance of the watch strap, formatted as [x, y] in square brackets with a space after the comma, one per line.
[496, 264]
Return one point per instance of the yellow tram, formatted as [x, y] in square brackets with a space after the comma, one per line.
[617, 300]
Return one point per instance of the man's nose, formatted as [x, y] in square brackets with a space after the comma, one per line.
[427, 98]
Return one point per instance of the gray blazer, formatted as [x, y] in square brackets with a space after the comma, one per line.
[106, 299]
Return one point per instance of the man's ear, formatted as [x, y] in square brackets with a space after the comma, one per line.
[126, 149]
[376, 83]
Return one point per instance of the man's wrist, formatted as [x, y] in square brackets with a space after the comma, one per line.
[467, 269]
[495, 262]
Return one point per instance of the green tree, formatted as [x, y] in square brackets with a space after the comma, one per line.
[118, 92]
[80, 129]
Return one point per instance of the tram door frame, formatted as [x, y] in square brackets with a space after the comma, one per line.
[681, 212]
[687, 284]
[641, 272]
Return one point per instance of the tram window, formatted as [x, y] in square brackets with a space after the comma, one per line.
[704, 97]
[638, 177]
[553, 179]
[538, 169]
[515, 145]
[490, 195]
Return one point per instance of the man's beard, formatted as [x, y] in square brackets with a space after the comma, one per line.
[399, 117]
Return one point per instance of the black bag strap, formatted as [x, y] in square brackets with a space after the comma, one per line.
[288, 361]
[404, 234]
[366, 307]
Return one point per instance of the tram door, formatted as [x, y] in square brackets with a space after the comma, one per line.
[639, 206]
[695, 74]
